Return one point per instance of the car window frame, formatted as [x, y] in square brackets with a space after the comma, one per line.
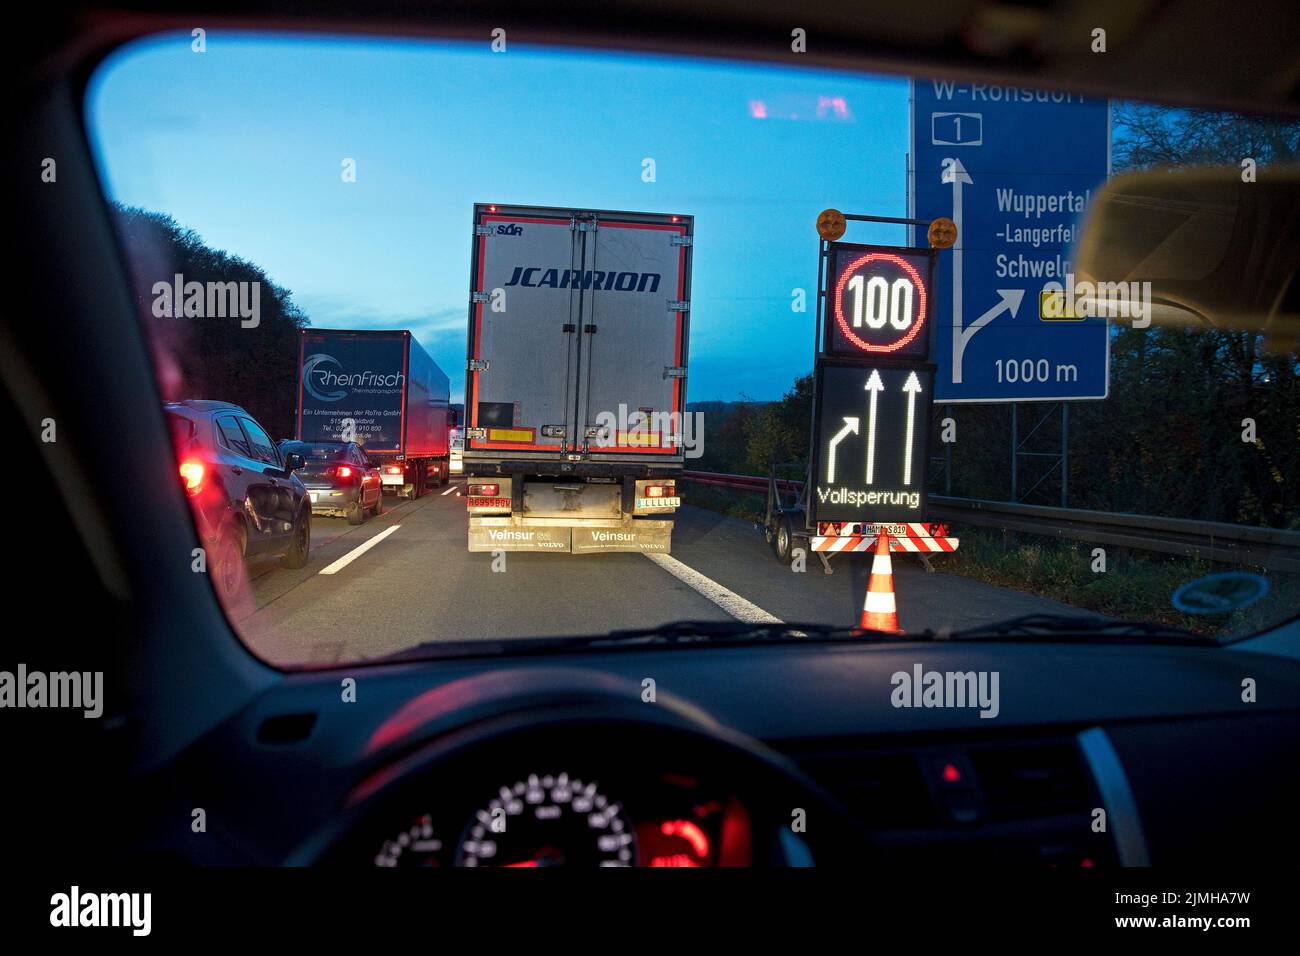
[247, 451]
[246, 420]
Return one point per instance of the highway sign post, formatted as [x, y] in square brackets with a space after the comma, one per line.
[1014, 169]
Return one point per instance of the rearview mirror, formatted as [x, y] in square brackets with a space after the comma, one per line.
[1217, 251]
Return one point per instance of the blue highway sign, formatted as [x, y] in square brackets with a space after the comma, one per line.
[1015, 169]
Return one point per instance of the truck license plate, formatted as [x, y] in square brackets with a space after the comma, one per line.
[659, 502]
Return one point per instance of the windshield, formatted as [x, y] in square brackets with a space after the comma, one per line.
[699, 333]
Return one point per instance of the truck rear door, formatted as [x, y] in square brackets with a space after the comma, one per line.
[632, 354]
[352, 388]
[523, 332]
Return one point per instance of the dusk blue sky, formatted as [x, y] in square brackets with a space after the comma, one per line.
[244, 143]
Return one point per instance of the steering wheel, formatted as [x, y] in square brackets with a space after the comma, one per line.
[475, 734]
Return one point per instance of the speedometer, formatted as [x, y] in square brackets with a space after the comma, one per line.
[548, 820]
[414, 846]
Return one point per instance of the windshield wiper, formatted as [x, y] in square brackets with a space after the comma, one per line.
[1057, 628]
[714, 632]
[675, 634]
[1067, 627]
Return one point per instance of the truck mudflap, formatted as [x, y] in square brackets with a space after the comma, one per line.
[488, 534]
[643, 537]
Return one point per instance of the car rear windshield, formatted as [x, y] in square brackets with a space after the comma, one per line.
[316, 450]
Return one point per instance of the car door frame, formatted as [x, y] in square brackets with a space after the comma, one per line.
[246, 487]
[278, 484]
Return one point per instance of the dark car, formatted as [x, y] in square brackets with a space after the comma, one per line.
[246, 499]
[339, 477]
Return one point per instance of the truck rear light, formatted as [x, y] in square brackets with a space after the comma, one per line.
[192, 473]
[482, 491]
[659, 491]
[343, 471]
[393, 470]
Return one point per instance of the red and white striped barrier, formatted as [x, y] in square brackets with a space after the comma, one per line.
[915, 537]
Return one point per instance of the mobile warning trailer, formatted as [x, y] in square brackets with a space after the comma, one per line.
[575, 392]
[873, 387]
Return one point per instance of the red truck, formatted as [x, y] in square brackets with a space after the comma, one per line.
[383, 391]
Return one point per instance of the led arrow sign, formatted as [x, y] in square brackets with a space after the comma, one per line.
[871, 442]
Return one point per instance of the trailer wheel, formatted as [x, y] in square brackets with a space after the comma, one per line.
[783, 539]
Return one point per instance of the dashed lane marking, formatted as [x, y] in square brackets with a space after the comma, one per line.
[728, 600]
[358, 551]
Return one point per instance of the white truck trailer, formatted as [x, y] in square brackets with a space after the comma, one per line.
[575, 393]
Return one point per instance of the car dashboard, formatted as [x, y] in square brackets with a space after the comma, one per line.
[792, 754]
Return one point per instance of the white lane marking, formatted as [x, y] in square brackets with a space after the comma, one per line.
[449, 491]
[728, 600]
[358, 551]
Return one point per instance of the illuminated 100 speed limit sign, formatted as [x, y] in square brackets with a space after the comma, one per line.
[879, 301]
[871, 441]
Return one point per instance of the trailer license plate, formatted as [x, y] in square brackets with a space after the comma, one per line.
[659, 502]
[488, 503]
[394, 479]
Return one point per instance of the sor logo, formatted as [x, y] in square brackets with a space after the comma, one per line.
[510, 229]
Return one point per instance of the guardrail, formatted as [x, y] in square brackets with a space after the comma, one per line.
[1270, 548]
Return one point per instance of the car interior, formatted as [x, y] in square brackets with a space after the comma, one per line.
[748, 748]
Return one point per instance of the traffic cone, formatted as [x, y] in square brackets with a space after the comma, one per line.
[879, 610]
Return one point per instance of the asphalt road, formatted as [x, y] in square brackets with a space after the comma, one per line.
[406, 577]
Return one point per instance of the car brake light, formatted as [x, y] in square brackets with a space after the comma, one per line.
[344, 471]
[192, 473]
[482, 491]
